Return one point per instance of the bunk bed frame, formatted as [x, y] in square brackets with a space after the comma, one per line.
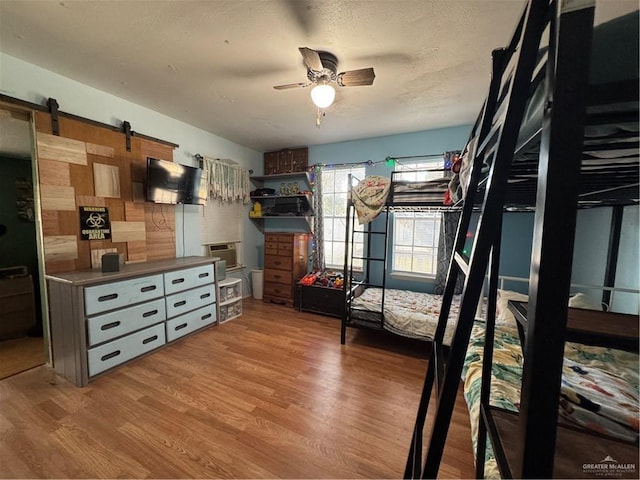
[531, 443]
[407, 196]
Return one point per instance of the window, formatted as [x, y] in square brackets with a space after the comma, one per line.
[334, 212]
[416, 234]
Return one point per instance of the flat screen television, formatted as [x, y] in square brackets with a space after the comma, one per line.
[172, 183]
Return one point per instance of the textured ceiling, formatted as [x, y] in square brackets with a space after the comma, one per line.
[212, 64]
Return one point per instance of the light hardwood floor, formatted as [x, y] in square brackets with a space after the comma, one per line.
[20, 354]
[271, 394]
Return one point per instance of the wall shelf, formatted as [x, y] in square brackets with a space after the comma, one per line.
[284, 206]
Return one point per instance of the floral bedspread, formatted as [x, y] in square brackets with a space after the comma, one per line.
[599, 388]
[369, 197]
[411, 314]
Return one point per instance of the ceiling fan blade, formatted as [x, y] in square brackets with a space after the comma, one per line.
[291, 85]
[354, 78]
[311, 59]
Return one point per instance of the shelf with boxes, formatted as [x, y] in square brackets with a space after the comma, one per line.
[287, 160]
[229, 299]
[282, 196]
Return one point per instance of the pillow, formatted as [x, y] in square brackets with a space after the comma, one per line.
[580, 300]
[503, 314]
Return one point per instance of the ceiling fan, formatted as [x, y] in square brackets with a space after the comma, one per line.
[322, 70]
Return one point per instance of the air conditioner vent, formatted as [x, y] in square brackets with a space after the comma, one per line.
[226, 252]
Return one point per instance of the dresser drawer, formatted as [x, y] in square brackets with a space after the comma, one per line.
[102, 328]
[118, 351]
[285, 249]
[121, 294]
[271, 237]
[277, 290]
[182, 302]
[190, 322]
[271, 246]
[278, 276]
[181, 280]
[281, 263]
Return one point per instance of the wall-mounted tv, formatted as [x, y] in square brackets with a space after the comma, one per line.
[172, 183]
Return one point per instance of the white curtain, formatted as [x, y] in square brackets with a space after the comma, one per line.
[227, 180]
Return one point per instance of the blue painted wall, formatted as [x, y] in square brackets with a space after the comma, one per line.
[515, 256]
[376, 150]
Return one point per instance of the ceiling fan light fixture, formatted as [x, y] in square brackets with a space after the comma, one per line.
[323, 95]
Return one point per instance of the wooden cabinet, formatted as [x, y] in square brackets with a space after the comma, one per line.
[102, 320]
[17, 304]
[287, 160]
[285, 262]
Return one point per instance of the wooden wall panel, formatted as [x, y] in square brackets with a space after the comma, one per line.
[133, 212]
[116, 209]
[54, 173]
[69, 222]
[55, 197]
[60, 266]
[51, 147]
[127, 231]
[160, 221]
[60, 247]
[137, 192]
[90, 201]
[84, 255]
[106, 180]
[138, 161]
[78, 168]
[100, 150]
[137, 251]
[155, 150]
[50, 225]
[42, 121]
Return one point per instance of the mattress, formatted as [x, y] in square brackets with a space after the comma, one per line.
[593, 379]
[407, 313]
[431, 191]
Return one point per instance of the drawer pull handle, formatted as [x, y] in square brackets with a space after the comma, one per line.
[205, 295]
[204, 317]
[107, 326]
[110, 355]
[277, 263]
[277, 276]
[180, 303]
[148, 289]
[149, 340]
[148, 314]
[180, 327]
[203, 275]
[106, 298]
[177, 280]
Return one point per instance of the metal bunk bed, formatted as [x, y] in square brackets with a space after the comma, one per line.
[379, 314]
[551, 165]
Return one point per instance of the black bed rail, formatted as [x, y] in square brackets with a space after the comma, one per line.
[497, 143]
[351, 273]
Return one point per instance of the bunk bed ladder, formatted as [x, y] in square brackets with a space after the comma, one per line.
[497, 141]
[367, 234]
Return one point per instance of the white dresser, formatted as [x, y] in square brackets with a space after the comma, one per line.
[101, 320]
